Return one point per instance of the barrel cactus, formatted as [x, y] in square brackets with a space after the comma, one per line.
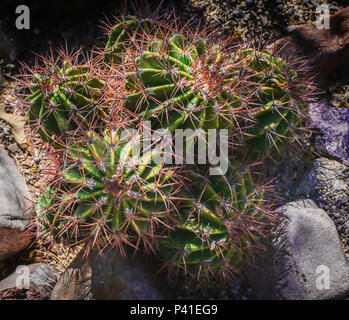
[65, 94]
[275, 105]
[125, 34]
[219, 227]
[180, 82]
[109, 193]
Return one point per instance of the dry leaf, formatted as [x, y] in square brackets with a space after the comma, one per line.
[17, 124]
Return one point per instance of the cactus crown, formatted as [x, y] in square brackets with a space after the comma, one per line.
[181, 83]
[180, 79]
[109, 193]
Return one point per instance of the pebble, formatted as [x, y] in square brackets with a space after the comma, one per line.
[13, 148]
[336, 214]
[340, 221]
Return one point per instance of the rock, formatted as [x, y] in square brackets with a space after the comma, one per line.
[15, 208]
[328, 49]
[111, 277]
[333, 124]
[327, 180]
[38, 276]
[21, 294]
[13, 148]
[304, 259]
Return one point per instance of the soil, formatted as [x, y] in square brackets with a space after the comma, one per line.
[21, 294]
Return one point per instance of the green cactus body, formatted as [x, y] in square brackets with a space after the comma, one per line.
[124, 35]
[111, 191]
[274, 109]
[47, 224]
[61, 98]
[220, 223]
[178, 84]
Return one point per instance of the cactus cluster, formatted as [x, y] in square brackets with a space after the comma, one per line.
[108, 194]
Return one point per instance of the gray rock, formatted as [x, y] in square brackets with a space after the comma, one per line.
[13, 148]
[37, 275]
[333, 124]
[327, 180]
[111, 277]
[15, 208]
[303, 251]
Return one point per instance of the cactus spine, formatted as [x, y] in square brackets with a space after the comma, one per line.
[220, 225]
[110, 193]
[62, 98]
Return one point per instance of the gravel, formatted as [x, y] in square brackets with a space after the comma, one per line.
[256, 19]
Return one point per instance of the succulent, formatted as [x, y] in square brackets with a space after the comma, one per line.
[181, 82]
[125, 34]
[46, 222]
[109, 193]
[274, 105]
[222, 220]
[64, 95]
[184, 81]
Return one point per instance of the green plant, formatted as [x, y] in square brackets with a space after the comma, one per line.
[222, 220]
[65, 95]
[179, 79]
[181, 82]
[124, 35]
[108, 193]
[276, 105]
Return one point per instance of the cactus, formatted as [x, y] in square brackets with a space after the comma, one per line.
[45, 222]
[64, 95]
[181, 83]
[220, 225]
[107, 193]
[124, 35]
[275, 105]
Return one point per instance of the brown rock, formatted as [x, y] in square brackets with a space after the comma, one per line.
[327, 49]
[27, 281]
[15, 208]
